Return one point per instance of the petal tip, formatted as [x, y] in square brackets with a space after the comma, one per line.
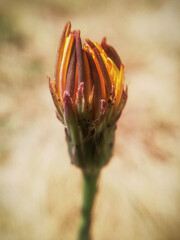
[66, 97]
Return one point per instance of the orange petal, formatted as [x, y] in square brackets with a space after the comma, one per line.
[111, 53]
[97, 92]
[64, 63]
[80, 61]
[71, 73]
[104, 71]
[60, 54]
[88, 80]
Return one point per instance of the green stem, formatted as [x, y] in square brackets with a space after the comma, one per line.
[89, 193]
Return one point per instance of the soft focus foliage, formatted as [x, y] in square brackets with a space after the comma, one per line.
[40, 193]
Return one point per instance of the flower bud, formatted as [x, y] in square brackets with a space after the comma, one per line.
[89, 95]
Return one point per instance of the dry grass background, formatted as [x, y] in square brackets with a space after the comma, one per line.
[40, 192]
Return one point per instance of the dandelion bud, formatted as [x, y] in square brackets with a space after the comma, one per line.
[89, 95]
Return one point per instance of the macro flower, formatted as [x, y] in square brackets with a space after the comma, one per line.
[89, 95]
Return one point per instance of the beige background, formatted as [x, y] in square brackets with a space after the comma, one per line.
[40, 191]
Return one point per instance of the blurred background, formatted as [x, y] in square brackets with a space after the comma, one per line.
[40, 191]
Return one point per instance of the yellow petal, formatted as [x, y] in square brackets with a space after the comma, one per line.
[60, 54]
[120, 85]
[64, 64]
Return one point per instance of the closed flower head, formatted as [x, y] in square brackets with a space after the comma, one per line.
[89, 94]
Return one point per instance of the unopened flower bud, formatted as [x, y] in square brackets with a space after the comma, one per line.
[89, 95]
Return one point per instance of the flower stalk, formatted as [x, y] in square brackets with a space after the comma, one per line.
[90, 187]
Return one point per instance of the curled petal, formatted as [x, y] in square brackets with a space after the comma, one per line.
[104, 71]
[97, 86]
[71, 73]
[119, 85]
[79, 53]
[91, 44]
[111, 53]
[65, 63]
[88, 79]
[65, 34]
